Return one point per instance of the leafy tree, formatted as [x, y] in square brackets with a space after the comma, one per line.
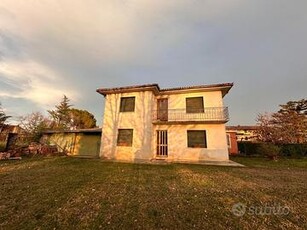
[66, 117]
[34, 124]
[81, 119]
[288, 125]
[60, 116]
[3, 117]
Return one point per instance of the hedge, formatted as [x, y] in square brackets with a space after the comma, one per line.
[256, 149]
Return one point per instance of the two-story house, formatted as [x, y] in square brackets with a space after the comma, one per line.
[145, 122]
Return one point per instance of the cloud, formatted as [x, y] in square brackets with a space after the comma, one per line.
[48, 48]
[32, 81]
[109, 32]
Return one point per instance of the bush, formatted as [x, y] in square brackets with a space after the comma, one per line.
[262, 149]
[270, 150]
[249, 148]
[2, 146]
[294, 150]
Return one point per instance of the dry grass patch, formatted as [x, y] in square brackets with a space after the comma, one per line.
[69, 193]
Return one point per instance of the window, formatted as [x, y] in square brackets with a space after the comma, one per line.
[125, 137]
[195, 105]
[228, 137]
[127, 104]
[197, 139]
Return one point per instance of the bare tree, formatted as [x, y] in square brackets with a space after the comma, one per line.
[34, 124]
[3, 117]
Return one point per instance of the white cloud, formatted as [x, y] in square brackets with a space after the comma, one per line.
[48, 47]
[106, 31]
[34, 82]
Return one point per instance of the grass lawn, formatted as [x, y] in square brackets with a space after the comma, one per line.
[70, 193]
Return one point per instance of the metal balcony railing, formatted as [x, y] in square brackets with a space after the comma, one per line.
[209, 114]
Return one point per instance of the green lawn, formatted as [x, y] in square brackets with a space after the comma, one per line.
[70, 193]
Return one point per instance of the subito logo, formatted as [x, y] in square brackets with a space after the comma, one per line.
[238, 209]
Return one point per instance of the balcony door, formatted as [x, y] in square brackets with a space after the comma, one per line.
[162, 109]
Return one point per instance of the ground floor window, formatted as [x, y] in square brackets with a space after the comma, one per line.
[125, 137]
[197, 138]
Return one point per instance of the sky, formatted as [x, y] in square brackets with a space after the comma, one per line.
[49, 48]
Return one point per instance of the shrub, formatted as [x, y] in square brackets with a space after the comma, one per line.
[294, 150]
[249, 148]
[270, 150]
[2, 146]
[286, 150]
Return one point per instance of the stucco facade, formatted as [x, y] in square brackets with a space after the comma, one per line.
[151, 133]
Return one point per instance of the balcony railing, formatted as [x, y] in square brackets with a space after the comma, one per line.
[209, 114]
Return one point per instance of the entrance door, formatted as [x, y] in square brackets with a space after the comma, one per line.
[162, 109]
[162, 143]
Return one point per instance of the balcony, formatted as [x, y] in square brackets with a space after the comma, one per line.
[208, 115]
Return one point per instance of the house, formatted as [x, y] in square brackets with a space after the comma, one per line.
[145, 122]
[5, 129]
[244, 132]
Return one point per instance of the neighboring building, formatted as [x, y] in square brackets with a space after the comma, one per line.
[82, 142]
[5, 129]
[245, 132]
[8, 135]
[178, 124]
[232, 142]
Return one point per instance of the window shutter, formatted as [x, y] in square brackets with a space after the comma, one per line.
[194, 105]
[127, 104]
[197, 138]
[125, 137]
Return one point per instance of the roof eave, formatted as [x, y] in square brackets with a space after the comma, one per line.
[153, 87]
[224, 88]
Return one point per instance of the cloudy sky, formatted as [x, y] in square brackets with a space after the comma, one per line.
[49, 48]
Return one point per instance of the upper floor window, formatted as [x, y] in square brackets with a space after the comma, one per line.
[194, 104]
[127, 104]
[197, 138]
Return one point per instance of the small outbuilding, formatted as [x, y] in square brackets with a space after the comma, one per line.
[81, 142]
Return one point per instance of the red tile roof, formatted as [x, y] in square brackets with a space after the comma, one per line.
[242, 127]
[225, 87]
[199, 86]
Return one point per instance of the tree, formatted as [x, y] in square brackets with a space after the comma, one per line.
[288, 125]
[34, 124]
[66, 117]
[60, 116]
[81, 119]
[266, 132]
[3, 117]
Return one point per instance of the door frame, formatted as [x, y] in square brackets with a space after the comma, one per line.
[162, 143]
[162, 109]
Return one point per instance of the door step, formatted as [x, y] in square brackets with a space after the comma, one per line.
[159, 160]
